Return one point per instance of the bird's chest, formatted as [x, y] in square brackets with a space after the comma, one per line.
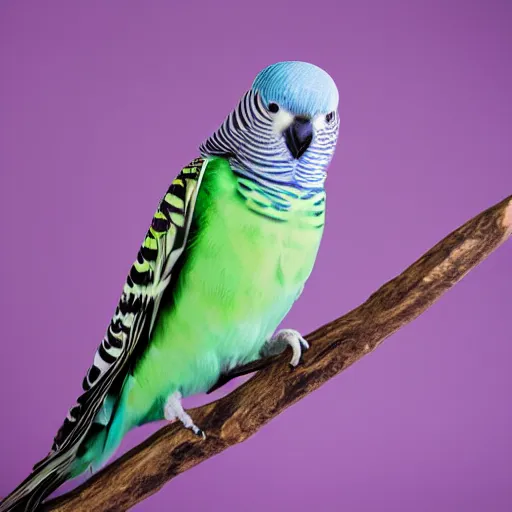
[243, 277]
[252, 262]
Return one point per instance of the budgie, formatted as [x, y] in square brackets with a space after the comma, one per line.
[228, 252]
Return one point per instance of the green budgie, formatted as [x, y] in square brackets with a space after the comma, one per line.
[229, 249]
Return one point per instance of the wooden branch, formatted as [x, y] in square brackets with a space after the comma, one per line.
[334, 347]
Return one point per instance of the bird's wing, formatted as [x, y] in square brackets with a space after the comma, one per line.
[131, 325]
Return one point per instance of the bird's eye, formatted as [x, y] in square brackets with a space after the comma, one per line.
[329, 117]
[273, 107]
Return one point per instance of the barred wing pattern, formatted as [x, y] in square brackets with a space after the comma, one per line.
[138, 306]
[127, 335]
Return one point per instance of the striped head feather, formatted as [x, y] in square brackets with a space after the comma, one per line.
[284, 130]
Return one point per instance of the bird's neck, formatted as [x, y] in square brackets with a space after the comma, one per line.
[283, 202]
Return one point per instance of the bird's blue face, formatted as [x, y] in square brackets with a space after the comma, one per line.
[284, 129]
[302, 100]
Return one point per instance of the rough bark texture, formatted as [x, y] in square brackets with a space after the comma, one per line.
[334, 347]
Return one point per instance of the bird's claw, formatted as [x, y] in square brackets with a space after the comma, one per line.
[198, 432]
[174, 410]
[292, 338]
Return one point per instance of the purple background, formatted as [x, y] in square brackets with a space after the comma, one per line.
[101, 105]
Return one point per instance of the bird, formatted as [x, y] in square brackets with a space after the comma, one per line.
[228, 252]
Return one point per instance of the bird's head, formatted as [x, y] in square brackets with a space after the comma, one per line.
[301, 99]
[284, 129]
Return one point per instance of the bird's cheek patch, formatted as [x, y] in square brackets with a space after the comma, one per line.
[319, 122]
[282, 120]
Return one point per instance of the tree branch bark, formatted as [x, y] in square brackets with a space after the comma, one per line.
[334, 347]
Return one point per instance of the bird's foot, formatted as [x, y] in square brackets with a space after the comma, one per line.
[173, 410]
[282, 339]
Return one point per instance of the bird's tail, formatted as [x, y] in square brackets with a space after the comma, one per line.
[92, 452]
[46, 476]
[58, 467]
[102, 440]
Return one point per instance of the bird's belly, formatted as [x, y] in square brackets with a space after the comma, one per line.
[221, 318]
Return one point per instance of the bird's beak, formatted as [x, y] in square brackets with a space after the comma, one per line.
[298, 136]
